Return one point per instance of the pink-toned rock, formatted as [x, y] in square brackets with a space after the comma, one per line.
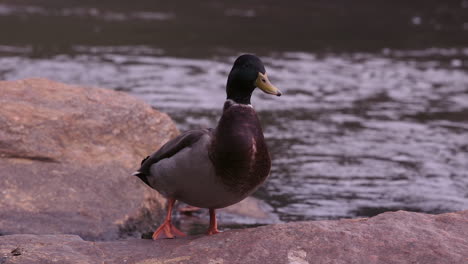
[66, 155]
[393, 237]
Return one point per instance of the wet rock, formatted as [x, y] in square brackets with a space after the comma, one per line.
[250, 212]
[393, 237]
[66, 155]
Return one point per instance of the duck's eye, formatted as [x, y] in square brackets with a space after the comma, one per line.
[263, 80]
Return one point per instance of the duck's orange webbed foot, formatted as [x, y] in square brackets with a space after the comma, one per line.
[166, 229]
[213, 231]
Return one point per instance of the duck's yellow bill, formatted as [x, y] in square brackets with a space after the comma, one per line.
[265, 85]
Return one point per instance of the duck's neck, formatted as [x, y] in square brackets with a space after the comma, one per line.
[240, 99]
[239, 92]
[230, 102]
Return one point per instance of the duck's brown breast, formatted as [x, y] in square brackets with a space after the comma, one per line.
[238, 152]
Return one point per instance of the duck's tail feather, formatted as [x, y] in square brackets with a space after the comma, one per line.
[142, 177]
[137, 173]
[140, 174]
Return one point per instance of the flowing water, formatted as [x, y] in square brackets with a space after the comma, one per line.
[356, 132]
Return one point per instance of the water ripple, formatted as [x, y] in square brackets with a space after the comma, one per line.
[353, 135]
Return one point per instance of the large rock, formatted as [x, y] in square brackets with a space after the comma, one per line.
[394, 237]
[66, 155]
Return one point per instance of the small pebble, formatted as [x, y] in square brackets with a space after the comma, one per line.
[17, 251]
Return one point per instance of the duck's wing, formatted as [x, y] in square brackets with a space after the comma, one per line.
[184, 140]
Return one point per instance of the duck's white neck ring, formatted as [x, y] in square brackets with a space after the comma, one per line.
[230, 102]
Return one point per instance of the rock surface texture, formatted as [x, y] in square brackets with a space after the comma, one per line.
[66, 155]
[393, 237]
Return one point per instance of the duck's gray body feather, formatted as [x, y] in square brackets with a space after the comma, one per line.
[183, 170]
[189, 176]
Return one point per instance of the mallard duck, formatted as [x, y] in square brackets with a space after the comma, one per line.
[215, 168]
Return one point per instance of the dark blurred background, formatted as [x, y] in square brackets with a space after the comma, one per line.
[203, 28]
[374, 115]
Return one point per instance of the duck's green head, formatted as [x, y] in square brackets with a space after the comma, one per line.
[247, 74]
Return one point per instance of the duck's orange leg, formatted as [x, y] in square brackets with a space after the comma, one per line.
[213, 229]
[166, 229]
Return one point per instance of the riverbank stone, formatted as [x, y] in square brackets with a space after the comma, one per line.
[390, 238]
[66, 158]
